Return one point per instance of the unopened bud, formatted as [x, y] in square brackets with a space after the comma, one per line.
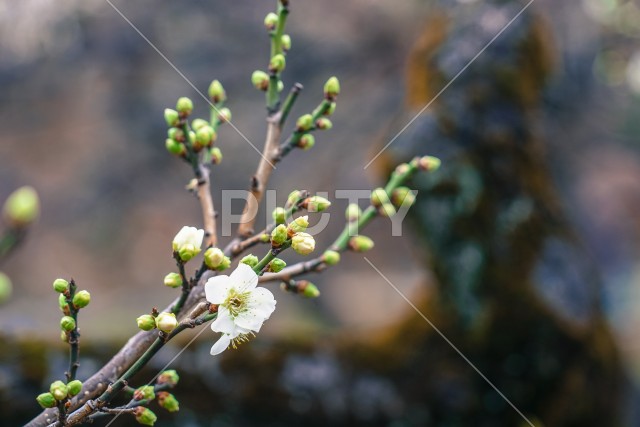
[217, 92]
[378, 197]
[332, 88]
[298, 225]
[353, 212]
[62, 302]
[293, 198]
[216, 155]
[171, 117]
[60, 285]
[279, 235]
[306, 289]
[304, 123]
[46, 400]
[146, 322]
[67, 323]
[184, 106]
[168, 401]
[145, 416]
[74, 387]
[81, 299]
[265, 237]
[360, 244]
[286, 42]
[166, 322]
[224, 115]
[277, 63]
[198, 124]
[146, 392]
[5, 287]
[387, 210]
[170, 377]
[402, 169]
[279, 215]
[271, 21]
[59, 390]
[213, 257]
[324, 123]
[303, 243]
[173, 280]
[317, 204]
[276, 265]
[174, 147]
[205, 136]
[187, 252]
[331, 257]
[250, 260]
[22, 207]
[307, 141]
[402, 197]
[260, 80]
[226, 263]
[429, 163]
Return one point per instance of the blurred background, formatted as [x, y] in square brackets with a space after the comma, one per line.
[522, 250]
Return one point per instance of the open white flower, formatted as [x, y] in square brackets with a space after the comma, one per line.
[242, 307]
[187, 242]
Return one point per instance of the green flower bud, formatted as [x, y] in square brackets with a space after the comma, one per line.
[331, 257]
[360, 244]
[169, 376]
[279, 235]
[293, 198]
[146, 322]
[402, 196]
[298, 225]
[60, 285]
[184, 106]
[402, 169]
[277, 63]
[303, 243]
[429, 163]
[168, 401]
[146, 392]
[250, 260]
[317, 204]
[260, 80]
[192, 137]
[81, 299]
[279, 215]
[166, 322]
[213, 257]
[198, 124]
[307, 141]
[332, 88]
[323, 123]
[387, 210]
[224, 115]
[145, 416]
[22, 207]
[176, 134]
[379, 196]
[187, 252]
[271, 21]
[353, 212]
[205, 135]
[6, 287]
[174, 147]
[59, 390]
[171, 117]
[308, 289]
[64, 336]
[67, 323]
[304, 123]
[217, 92]
[280, 86]
[216, 155]
[264, 238]
[173, 280]
[276, 265]
[331, 109]
[226, 263]
[62, 302]
[286, 42]
[74, 387]
[46, 400]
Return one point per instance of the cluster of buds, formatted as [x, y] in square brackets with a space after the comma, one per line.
[294, 235]
[360, 244]
[59, 392]
[186, 140]
[301, 287]
[165, 321]
[319, 118]
[70, 302]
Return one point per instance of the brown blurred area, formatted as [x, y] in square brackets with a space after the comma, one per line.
[81, 119]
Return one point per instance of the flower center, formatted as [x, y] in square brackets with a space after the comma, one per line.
[236, 302]
[240, 339]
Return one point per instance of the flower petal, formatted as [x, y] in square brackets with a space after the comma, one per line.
[221, 345]
[248, 321]
[261, 303]
[198, 238]
[224, 323]
[244, 278]
[217, 288]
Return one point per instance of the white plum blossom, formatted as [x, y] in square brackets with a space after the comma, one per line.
[242, 307]
[187, 242]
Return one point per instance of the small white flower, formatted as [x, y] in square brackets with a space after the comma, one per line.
[187, 242]
[303, 243]
[242, 307]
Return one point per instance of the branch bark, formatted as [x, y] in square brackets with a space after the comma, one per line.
[208, 212]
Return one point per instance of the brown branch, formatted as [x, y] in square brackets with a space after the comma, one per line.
[208, 212]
